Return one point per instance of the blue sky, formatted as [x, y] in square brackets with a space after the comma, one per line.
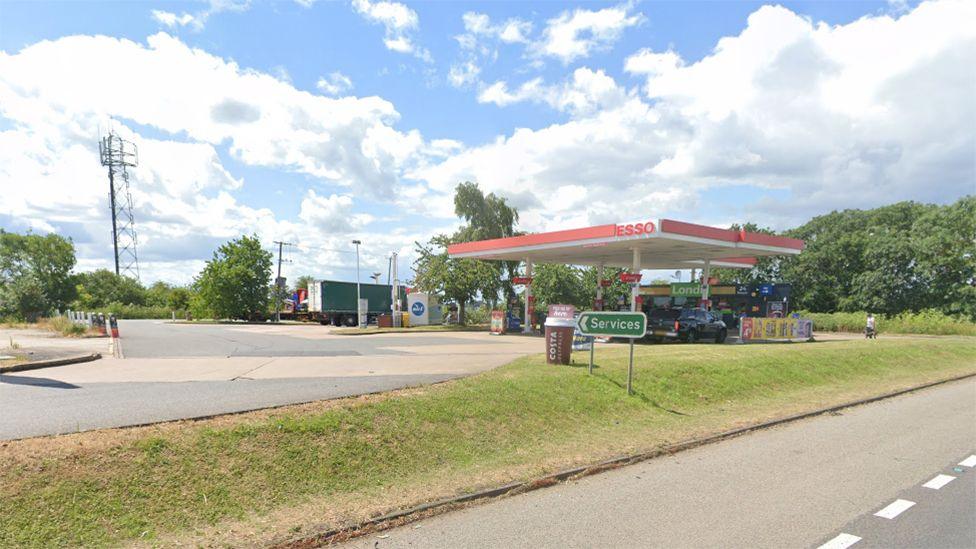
[713, 112]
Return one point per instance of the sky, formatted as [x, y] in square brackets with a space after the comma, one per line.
[320, 122]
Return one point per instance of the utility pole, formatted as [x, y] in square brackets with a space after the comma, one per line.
[278, 282]
[359, 321]
[395, 289]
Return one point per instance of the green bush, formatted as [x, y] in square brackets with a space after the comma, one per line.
[121, 310]
[65, 327]
[479, 315]
[929, 321]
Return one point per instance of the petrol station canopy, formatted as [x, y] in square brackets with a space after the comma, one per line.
[660, 244]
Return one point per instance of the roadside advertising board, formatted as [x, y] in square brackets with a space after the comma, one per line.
[498, 322]
[775, 329]
[559, 333]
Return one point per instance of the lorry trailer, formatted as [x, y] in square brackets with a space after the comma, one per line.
[334, 302]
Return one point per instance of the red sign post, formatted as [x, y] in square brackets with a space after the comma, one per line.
[521, 280]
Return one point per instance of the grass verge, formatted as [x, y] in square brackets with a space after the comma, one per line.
[248, 478]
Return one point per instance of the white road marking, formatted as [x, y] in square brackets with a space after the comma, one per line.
[896, 508]
[843, 541]
[939, 481]
[969, 462]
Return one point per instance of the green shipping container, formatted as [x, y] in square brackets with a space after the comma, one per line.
[340, 297]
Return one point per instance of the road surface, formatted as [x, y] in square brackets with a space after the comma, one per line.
[814, 482]
[173, 371]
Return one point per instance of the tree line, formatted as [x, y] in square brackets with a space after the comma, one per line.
[36, 279]
[905, 257]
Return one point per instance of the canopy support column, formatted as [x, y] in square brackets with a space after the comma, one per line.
[635, 289]
[706, 288]
[527, 324]
[599, 288]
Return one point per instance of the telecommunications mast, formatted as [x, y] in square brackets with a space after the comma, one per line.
[117, 153]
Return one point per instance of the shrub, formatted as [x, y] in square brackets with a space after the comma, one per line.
[929, 321]
[123, 311]
[479, 315]
[65, 327]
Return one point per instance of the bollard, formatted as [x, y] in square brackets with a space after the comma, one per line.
[114, 324]
[101, 324]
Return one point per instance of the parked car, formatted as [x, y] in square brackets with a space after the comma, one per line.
[689, 325]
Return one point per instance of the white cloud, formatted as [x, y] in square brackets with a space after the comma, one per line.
[584, 93]
[834, 116]
[855, 115]
[479, 45]
[513, 30]
[332, 214]
[335, 83]
[198, 20]
[172, 20]
[52, 104]
[398, 20]
[647, 62]
[463, 74]
[573, 35]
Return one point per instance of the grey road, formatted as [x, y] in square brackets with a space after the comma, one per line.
[173, 371]
[34, 406]
[157, 339]
[815, 482]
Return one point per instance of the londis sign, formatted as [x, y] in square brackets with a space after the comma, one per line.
[635, 229]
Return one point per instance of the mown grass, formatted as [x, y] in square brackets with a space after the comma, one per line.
[928, 322]
[506, 420]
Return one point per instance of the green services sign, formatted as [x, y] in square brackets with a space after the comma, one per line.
[686, 289]
[612, 324]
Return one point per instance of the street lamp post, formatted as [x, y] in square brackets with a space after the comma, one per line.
[359, 321]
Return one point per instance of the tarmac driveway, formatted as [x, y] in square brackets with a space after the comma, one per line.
[181, 371]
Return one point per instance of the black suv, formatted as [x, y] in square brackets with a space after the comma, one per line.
[685, 324]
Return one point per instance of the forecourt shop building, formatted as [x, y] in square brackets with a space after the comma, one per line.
[649, 244]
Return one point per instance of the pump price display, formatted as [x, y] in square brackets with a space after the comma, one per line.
[612, 324]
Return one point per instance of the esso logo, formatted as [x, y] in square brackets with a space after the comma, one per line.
[417, 308]
[635, 229]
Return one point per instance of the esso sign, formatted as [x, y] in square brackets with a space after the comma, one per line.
[635, 229]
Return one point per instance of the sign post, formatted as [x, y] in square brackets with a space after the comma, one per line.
[629, 325]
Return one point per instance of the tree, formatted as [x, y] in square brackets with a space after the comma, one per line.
[34, 273]
[944, 243]
[487, 216]
[303, 282]
[611, 293]
[556, 283]
[157, 295]
[458, 280]
[236, 283]
[24, 297]
[179, 299]
[100, 288]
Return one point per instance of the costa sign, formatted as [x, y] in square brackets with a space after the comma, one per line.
[630, 278]
[635, 229]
